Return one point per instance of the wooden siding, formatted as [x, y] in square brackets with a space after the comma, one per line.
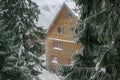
[64, 56]
[69, 46]
[66, 24]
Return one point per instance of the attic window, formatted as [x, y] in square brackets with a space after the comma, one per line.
[68, 16]
[60, 30]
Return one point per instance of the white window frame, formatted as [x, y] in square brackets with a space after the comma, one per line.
[58, 45]
[54, 60]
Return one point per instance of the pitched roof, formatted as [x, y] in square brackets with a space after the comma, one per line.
[64, 4]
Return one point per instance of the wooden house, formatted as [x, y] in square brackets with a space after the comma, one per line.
[60, 44]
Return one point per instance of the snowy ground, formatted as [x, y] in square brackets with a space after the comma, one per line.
[46, 75]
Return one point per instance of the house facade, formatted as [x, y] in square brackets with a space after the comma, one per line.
[60, 43]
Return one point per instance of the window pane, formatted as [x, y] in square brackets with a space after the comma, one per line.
[60, 30]
[57, 45]
[54, 60]
[60, 45]
[68, 16]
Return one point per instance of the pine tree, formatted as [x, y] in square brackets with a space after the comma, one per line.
[18, 60]
[84, 66]
[105, 15]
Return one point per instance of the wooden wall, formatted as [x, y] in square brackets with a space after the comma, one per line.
[69, 47]
[66, 24]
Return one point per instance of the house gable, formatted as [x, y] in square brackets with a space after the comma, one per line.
[60, 20]
[64, 5]
[60, 43]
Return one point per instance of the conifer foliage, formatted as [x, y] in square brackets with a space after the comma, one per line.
[84, 66]
[105, 16]
[18, 40]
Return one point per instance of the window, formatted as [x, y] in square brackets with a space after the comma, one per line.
[58, 46]
[68, 16]
[60, 30]
[72, 61]
[54, 60]
[77, 51]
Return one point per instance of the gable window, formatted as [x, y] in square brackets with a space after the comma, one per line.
[68, 16]
[57, 46]
[60, 30]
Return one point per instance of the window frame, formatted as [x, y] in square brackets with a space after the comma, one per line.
[55, 60]
[60, 30]
[68, 15]
[58, 45]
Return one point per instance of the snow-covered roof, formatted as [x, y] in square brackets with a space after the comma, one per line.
[66, 5]
[49, 9]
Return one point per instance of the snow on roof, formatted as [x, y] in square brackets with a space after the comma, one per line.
[49, 9]
[59, 10]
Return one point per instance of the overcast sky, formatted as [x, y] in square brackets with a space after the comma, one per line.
[42, 2]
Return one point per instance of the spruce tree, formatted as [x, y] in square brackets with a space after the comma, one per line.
[105, 15]
[84, 66]
[18, 58]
